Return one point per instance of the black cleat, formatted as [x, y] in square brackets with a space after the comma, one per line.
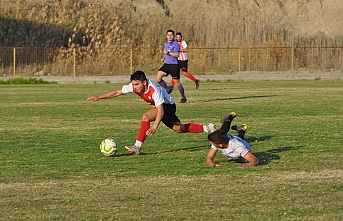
[225, 117]
[243, 127]
[171, 88]
[183, 100]
[197, 83]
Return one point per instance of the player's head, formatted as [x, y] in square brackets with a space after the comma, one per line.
[178, 36]
[139, 81]
[138, 76]
[219, 139]
[170, 35]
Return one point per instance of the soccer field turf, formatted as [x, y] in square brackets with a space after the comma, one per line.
[52, 168]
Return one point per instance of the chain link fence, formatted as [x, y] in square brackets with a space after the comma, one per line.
[116, 61]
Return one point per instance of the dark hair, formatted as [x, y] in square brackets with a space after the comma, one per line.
[218, 137]
[138, 76]
[179, 33]
[170, 31]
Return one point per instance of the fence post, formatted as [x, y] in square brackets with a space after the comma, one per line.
[14, 61]
[239, 60]
[292, 60]
[131, 61]
[74, 71]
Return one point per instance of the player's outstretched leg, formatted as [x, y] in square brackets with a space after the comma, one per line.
[227, 120]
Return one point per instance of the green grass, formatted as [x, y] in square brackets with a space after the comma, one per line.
[52, 169]
[25, 81]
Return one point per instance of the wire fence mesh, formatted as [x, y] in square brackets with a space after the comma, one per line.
[55, 61]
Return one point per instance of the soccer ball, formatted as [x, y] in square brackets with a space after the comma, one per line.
[108, 147]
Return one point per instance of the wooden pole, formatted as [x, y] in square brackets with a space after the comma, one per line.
[131, 61]
[74, 71]
[14, 61]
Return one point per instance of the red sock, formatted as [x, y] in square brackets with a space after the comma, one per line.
[142, 131]
[193, 128]
[190, 76]
[172, 82]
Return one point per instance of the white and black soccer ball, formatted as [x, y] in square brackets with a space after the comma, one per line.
[108, 147]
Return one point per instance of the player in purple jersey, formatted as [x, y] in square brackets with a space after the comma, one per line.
[234, 148]
[171, 52]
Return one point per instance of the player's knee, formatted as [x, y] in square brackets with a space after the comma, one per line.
[179, 128]
[145, 117]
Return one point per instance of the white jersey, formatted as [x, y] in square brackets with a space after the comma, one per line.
[182, 55]
[237, 149]
[155, 95]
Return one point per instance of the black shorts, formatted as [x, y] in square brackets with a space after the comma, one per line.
[183, 65]
[169, 118]
[172, 69]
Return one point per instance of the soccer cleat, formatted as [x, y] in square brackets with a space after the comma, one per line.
[225, 117]
[183, 100]
[133, 149]
[197, 83]
[171, 88]
[211, 128]
[243, 127]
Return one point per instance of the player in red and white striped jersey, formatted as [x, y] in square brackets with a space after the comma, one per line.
[163, 110]
[183, 61]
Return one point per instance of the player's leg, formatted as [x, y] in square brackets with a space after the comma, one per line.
[141, 136]
[173, 122]
[160, 81]
[227, 120]
[240, 129]
[181, 90]
[184, 69]
[193, 128]
[172, 82]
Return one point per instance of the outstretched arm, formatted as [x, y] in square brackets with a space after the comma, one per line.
[210, 157]
[110, 94]
[252, 160]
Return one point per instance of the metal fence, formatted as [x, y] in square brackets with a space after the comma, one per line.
[39, 61]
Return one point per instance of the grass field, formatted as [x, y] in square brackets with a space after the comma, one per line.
[51, 167]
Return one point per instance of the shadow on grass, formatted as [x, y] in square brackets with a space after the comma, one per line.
[270, 155]
[236, 98]
[251, 140]
[190, 149]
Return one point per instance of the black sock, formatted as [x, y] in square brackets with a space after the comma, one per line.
[227, 123]
[241, 134]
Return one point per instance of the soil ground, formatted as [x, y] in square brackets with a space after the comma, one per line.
[235, 77]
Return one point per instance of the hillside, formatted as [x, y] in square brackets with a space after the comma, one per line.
[211, 23]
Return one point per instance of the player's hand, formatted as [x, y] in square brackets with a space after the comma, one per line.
[93, 98]
[150, 131]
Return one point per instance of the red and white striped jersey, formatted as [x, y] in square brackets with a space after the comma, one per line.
[182, 55]
[155, 95]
